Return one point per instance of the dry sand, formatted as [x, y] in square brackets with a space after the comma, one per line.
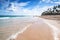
[51, 17]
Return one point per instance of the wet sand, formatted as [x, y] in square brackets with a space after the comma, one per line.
[37, 31]
[11, 26]
[55, 25]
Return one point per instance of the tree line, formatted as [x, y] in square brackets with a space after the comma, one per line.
[52, 11]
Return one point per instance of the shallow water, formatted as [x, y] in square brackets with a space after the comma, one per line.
[11, 25]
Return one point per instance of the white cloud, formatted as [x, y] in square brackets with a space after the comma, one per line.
[21, 4]
[37, 10]
[51, 1]
[43, 0]
[57, 2]
[15, 8]
[18, 9]
[46, 1]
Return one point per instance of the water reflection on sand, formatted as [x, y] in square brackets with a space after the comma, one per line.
[9, 26]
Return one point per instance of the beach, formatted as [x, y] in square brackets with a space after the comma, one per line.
[43, 29]
[29, 28]
[38, 31]
[10, 26]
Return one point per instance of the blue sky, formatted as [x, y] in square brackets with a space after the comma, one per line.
[26, 7]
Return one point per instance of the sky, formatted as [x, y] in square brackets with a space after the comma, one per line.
[26, 7]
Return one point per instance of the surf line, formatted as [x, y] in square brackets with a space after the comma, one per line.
[54, 29]
[14, 36]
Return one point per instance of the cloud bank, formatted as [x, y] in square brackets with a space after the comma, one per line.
[27, 7]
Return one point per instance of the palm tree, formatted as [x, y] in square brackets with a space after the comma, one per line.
[54, 8]
[58, 6]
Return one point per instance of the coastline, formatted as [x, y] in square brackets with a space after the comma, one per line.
[37, 31]
[12, 26]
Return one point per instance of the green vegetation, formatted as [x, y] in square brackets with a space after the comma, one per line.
[52, 11]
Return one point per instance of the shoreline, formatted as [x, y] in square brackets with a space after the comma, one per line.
[11, 26]
[14, 36]
[37, 31]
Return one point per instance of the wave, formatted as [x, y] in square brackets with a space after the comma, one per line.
[15, 17]
[4, 17]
